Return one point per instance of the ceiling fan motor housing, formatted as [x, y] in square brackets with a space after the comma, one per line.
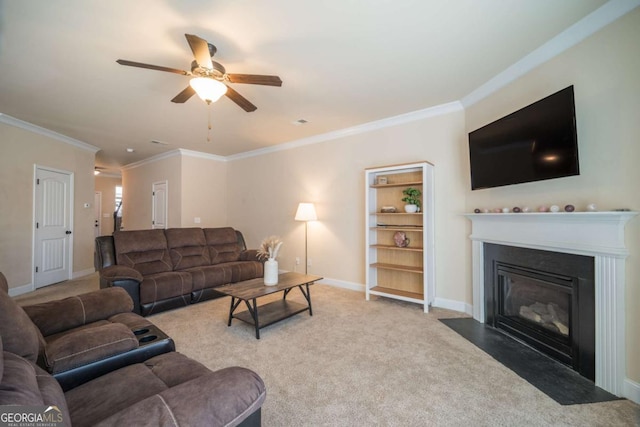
[217, 72]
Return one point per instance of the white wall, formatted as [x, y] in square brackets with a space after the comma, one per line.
[265, 192]
[22, 149]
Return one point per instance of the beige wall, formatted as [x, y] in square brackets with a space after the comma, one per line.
[107, 186]
[137, 183]
[21, 151]
[204, 192]
[605, 72]
[265, 192]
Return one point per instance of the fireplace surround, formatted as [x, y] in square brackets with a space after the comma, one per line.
[596, 234]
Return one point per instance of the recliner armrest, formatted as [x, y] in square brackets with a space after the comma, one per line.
[251, 255]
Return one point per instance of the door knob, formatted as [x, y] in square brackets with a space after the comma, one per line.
[67, 232]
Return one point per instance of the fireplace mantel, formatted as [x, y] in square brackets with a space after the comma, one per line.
[596, 234]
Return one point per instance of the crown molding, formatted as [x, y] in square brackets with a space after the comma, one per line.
[573, 35]
[354, 130]
[173, 153]
[12, 121]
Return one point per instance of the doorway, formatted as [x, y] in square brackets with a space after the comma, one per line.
[53, 241]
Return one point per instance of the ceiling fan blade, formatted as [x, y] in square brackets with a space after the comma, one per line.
[240, 100]
[200, 49]
[255, 79]
[184, 96]
[152, 67]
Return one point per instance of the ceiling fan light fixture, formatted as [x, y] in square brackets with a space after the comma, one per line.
[208, 89]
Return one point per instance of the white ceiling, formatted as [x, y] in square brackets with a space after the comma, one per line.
[343, 63]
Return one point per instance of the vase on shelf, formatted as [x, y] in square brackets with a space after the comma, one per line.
[271, 272]
[410, 208]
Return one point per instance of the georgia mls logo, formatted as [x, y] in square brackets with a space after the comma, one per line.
[31, 416]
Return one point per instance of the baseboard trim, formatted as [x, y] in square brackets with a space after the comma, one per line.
[82, 273]
[454, 305]
[20, 290]
[632, 390]
[343, 284]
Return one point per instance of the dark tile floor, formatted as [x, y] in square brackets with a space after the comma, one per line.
[556, 380]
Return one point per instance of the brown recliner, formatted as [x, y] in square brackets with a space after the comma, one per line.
[169, 389]
[88, 335]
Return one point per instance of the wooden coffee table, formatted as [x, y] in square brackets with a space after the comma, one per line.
[260, 316]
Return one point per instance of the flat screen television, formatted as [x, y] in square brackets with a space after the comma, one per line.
[534, 143]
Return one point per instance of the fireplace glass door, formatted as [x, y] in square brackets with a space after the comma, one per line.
[536, 308]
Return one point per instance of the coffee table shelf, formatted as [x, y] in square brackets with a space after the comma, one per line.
[272, 312]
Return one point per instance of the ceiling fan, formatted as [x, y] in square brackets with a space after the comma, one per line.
[209, 77]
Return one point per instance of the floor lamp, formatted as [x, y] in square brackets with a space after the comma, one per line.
[306, 212]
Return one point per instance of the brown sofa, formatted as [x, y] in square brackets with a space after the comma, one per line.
[165, 269]
[168, 389]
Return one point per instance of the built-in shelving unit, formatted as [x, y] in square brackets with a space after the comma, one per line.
[405, 273]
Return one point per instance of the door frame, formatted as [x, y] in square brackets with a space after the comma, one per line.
[34, 205]
[97, 206]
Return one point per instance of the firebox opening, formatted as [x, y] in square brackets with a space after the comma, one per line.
[544, 299]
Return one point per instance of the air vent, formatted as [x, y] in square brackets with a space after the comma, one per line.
[300, 122]
[153, 141]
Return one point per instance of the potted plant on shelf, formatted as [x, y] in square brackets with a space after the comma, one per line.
[412, 199]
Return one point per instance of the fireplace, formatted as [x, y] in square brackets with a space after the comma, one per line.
[599, 235]
[545, 299]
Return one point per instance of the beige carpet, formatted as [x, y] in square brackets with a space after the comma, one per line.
[359, 363]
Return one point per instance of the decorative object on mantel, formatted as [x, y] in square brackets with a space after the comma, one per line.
[543, 209]
[476, 210]
[505, 210]
[517, 209]
[526, 209]
[569, 208]
[381, 180]
[591, 207]
[554, 208]
[401, 240]
[412, 199]
[388, 209]
[269, 249]
[497, 210]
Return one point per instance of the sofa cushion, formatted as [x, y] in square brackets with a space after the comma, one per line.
[143, 250]
[245, 270]
[187, 248]
[222, 244]
[157, 287]
[210, 276]
[19, 335]
[61, 315]
[87, 345]
[117, 390]
[24, 383]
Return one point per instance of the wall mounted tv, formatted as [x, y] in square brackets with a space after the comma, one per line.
[534, 143]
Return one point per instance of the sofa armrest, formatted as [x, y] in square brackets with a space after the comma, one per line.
[222, 398]
[57, 316]
[114, 273]
[251, 255]
[123, 277]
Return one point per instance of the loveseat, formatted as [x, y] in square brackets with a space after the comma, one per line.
[169, 389]
[165, 269]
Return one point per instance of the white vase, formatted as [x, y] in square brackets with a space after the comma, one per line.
[271, 272]
[410, 208]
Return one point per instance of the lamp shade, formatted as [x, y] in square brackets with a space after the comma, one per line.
[306, 212]
[208, 89]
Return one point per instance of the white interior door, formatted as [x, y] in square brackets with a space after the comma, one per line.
[159, 205]
[97, 214]
[53, 215]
